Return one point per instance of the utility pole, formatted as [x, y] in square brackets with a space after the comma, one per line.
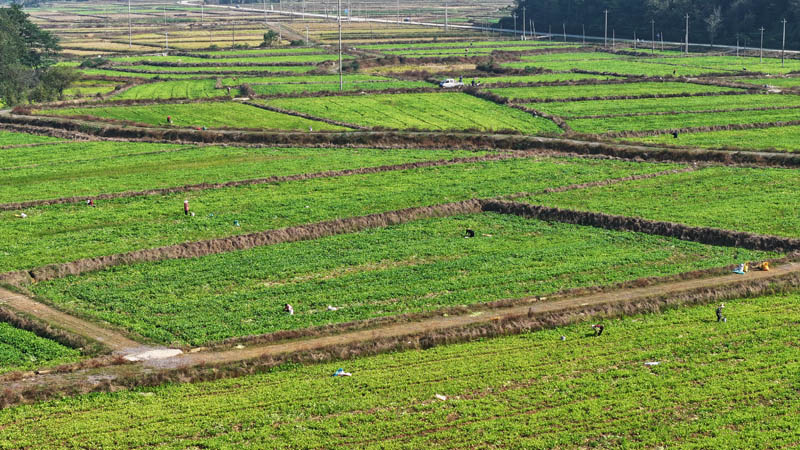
[687, 34]
[783, 45]
[564, 28]
[130, 29]
[446, 21]
[266, 23]
[533, 28]
[634, 40]
[583, 30]
[605, 30]
[653, 34]
[233, 31]
[523, 23]
[737, 45]
[398, 11]
[341, 75]
[613, 38]
[761, 51]
[166, 31]
[515, 23]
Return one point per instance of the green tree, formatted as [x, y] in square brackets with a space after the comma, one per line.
[269, 39]
[26, 52]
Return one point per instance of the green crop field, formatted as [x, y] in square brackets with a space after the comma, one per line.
[192, 89]
[607, 90]
[155, 166]
[212, 70]
[544, 78]
[665, 105]
[62, 233]
[789, 82]
[242, 293]
[754, 200]
[634, 67]
[678, 121]
[445, 111]
[211, 115]
[370, 212]
[22, 350]
[10, 138]
[775, 138]
[716, 386]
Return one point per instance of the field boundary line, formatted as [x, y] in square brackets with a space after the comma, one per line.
[528, 314]
[706, 129]
[633, 97]
[591, 145]
[703, 235]
[289, 112]
[258, 181]
[672, 113]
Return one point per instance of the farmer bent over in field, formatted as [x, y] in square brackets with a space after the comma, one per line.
[598, 329]
[720, 318]
[288, 308]
[186, 207]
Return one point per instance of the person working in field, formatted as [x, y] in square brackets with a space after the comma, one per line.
[288, 308]
[720, 317]
[186, 207]
[598, 329]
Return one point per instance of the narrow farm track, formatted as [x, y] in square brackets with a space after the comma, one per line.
[110, 338]
[530, 306]
[578, 307]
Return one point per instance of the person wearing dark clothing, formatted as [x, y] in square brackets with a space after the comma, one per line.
[470, 233]
[598, 329]
[720, 318]
[675, 134]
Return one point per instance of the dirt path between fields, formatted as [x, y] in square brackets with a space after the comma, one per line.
[33, 387]
[110, 338]
[528, 306]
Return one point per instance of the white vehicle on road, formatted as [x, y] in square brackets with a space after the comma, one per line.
[451, 83]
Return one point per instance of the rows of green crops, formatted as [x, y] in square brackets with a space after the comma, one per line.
[305, 58]
[445, 111]
[642, 68]
[144, 169]
[207, 88]
[62, 233]
[776, 138]
[607, 90]
[21, 350]
[544, 78]
[211, 115]
[9, 138]
[212, 70]
[755, 200]
[663, 105]
[242, 293]
[729, 385]
[679, 121]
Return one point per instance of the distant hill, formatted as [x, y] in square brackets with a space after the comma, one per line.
[719, 22]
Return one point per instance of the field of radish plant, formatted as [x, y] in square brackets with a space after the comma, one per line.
[440, 111]
[775, 138]
[63, 233]
[10, 138]
[242, 293]
[679, 121]
[608, 90]
[23, 350]
[761, 201]
[211, 115]
[715, 387]
[153, 166]
[571, 110]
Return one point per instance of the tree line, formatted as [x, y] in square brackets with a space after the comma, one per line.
[27, 58]
[715, 22]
